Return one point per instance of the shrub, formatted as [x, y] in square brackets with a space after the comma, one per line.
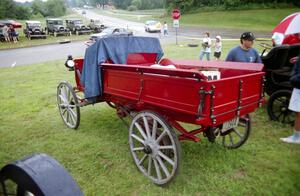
[132, 8]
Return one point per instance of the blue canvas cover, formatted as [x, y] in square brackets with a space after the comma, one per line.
[117, 50]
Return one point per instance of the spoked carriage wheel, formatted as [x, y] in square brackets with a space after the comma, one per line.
[234, 137]
[68, 105]
[154, 147]
[278, 107]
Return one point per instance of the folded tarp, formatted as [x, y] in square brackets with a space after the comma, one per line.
[115, 49]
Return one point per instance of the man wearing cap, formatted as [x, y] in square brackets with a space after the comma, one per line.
[244, 52]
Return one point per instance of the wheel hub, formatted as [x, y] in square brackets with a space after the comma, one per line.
[147, 149]
[283, 109]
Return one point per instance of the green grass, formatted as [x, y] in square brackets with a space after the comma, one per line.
[97, 154]
[251, 20]
[24, 42]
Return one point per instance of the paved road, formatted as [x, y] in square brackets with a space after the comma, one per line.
[38, 54]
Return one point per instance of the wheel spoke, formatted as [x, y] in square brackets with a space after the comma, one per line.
[73, 116]
[146, 127]
[143, 159]
[149, 165]
[154, 129]
[68, 116]
[231, 139]
[137, 138]
[283, 119]
[140, 130]
[69, 95]
[158, 173]
[163, 166]
[162, 155]
[161, 136]
[238, 133]
[166, 147]
[64, 111]
[138, 149]
[63, 99]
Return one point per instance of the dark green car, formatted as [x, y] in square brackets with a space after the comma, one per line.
[56, 27]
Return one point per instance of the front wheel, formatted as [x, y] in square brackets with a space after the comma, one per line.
[154, 147]
[67, 102]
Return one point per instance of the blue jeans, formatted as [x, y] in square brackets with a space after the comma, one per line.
[202, 53]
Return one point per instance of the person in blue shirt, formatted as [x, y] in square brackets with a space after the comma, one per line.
[245, 51]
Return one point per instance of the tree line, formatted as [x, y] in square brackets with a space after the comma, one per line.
[189, 5]
[39, 8]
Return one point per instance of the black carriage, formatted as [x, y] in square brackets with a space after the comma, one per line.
[278, 70]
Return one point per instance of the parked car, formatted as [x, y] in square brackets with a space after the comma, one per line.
[111, 31]
[152, 26]
[56, 27]
[96, 25]
[2, 38]
[10, 22]
[76, 26]
[33, 29]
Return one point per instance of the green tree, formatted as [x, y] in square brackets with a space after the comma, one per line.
[137, 3]
[55, 8]
[7, 9]
[37, 7]
[22, 12]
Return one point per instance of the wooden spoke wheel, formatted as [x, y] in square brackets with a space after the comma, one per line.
[234, 137]
[154, 147]
[278, 107]
[67, 102]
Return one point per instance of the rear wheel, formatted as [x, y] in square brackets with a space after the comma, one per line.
[154, 147]
[234, 137]
[67, 102]
[278, 107]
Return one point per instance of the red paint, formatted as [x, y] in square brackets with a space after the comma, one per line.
[174, 93]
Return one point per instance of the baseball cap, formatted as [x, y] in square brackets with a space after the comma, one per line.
[218, 37]
[248, 36]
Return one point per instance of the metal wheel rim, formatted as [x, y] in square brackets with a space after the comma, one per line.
[67, 104]
[156, 165]
[237, 136]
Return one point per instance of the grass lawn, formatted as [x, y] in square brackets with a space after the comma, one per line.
[253, 20]
[97, 154]
[24, 42]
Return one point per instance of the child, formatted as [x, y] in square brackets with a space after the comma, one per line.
[165, 28]
[218, 48]
[206, 44]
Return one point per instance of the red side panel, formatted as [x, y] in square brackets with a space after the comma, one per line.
[141, 59]
[78, 71]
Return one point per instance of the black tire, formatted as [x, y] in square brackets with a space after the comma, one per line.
[278, 107]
